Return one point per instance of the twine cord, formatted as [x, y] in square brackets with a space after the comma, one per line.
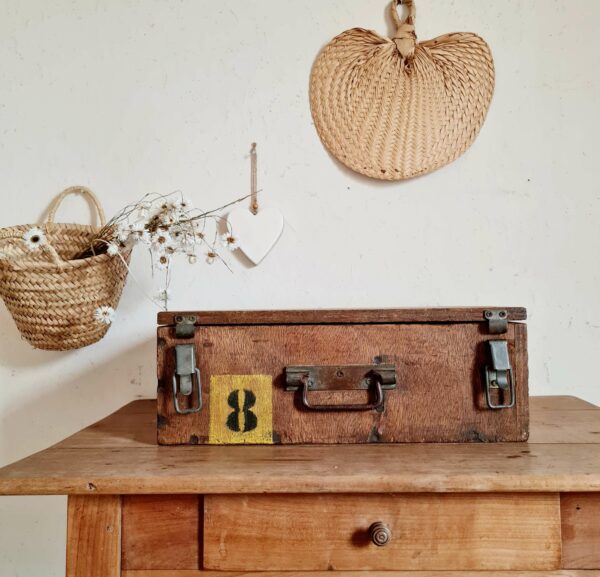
[253, 180]
[405, 36]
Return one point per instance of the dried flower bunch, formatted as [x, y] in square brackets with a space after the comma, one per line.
[62, 282]
[167, 226]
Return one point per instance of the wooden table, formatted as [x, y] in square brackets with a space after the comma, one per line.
[139, 510]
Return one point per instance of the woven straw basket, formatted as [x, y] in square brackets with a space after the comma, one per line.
[52, 299]
[393, 108]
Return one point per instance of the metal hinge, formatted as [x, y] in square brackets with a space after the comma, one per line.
[499, 376]
[497, 321]
[185, 326]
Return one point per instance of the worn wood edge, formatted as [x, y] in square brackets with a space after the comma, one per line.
[34, 475]
[563, 573]
[342, 316]
[320, 481]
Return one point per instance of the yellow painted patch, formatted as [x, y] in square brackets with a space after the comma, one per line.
[241, 410]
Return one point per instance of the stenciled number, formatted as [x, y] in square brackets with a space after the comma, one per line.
[242, 419]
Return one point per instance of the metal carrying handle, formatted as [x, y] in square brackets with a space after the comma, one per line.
[377, 405]
[354, 377]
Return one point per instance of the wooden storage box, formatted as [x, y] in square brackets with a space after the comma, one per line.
[362, 376]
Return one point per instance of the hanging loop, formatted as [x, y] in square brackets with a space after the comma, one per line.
[405, 36]
[84, 191]
[253, 180]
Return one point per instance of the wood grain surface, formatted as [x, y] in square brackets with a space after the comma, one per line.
[429, 532]
[542, 404]
[119, 456]
[370, 316]
[439, 395]
[576, 426]
[161, 532]
[210, 573]
[94, 536]
[580, 515]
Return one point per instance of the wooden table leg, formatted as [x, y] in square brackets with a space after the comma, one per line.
[94, 536]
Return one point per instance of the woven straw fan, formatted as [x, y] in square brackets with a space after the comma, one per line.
[395, 108]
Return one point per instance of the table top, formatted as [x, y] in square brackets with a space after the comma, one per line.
[119, 455]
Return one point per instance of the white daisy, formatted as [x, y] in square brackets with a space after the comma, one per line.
[192, 258]
[210, 257]
[161, 241]
[123, 232]
[34, 238]
[112, 250]
[229, 241]
[183, 239]
[163, 295]
[170, 205]
[104, 315]
[162, 262]
[142, 237]
[168, 219]
[185, 204]
[144, 211]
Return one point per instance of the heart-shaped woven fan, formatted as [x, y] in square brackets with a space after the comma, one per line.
[393, 108]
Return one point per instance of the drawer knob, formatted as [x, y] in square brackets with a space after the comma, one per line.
[380, 534]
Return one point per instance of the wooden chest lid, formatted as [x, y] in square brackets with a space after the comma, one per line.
[358, 316]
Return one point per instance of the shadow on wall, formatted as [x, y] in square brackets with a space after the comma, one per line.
[16, 352]
[49, 413]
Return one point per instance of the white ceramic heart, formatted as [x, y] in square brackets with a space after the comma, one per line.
[257, 233]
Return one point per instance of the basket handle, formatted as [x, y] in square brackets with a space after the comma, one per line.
[83, 190]
[405, 37]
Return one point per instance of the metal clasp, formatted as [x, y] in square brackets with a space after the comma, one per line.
[497, 321]
[185, 326]
[499, 376]
[189, 379]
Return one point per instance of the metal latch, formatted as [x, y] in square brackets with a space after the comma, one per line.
[184, 326]
[499, 376]
[497, 321]
[188, 383]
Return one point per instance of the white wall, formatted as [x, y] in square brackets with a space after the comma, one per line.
[131, 97]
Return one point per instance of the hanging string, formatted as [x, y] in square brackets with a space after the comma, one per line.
[253, 180]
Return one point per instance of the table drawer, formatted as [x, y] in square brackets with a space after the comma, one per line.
[426, 532]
